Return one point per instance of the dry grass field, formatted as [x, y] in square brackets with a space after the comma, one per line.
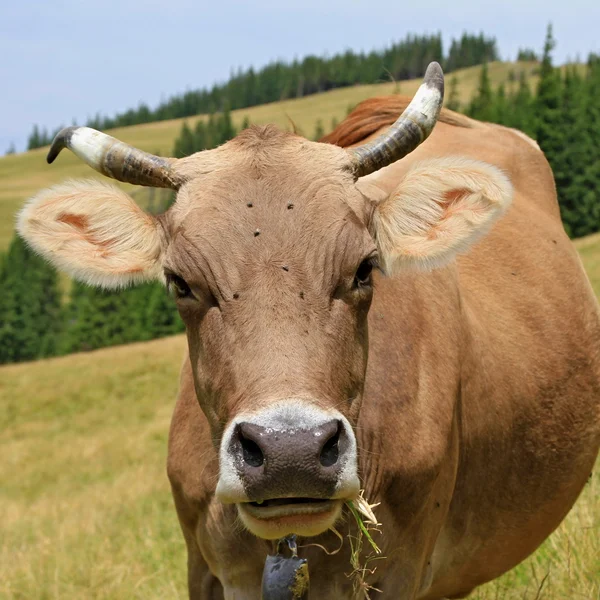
[22, 175]
[85, 504]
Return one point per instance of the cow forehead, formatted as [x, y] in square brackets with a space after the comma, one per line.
[276, 201]
[268, 168]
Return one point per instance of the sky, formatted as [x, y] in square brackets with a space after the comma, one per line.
[66, 60]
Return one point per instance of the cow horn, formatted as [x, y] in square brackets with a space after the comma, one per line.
[116, 159]
[412, 127]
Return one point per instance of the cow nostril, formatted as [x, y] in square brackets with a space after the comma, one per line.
[331, 451]
[251, 451]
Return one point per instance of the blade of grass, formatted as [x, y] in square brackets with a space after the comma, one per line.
[362, 527]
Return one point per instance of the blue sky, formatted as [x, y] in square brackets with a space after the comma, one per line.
[71, 59]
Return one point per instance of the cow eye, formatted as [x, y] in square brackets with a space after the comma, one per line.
[363, 275]
[177, 287]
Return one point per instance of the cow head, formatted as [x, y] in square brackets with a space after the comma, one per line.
[269, 250]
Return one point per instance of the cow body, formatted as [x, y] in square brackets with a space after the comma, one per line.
[480, 419]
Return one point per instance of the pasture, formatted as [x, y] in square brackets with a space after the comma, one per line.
[85, 503]
[21, 175]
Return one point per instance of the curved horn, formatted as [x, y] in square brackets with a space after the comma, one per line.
[412, 127]
[116, 159]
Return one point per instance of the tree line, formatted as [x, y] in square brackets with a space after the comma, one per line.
[281, 80]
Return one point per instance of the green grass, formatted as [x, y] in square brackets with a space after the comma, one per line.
[22, 175]
[86, 507]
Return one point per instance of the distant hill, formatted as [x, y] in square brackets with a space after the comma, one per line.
[21, 175]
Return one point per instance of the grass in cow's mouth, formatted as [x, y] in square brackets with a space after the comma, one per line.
[357, 514]
[366, 521]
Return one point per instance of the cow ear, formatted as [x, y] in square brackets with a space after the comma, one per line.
[95, 232]
[441, 207]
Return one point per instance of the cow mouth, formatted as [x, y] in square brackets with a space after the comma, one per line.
[282, 507]
[277, 517]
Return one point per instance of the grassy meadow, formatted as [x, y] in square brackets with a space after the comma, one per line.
[85, 503]
[22, 175]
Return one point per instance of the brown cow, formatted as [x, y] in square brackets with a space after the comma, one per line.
[475, 421]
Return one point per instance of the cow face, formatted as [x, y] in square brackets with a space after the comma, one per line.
[269, 251]
[271, 261]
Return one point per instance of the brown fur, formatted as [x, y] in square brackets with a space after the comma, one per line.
[473, 388]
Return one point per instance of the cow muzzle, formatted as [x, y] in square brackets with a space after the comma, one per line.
[288, 468]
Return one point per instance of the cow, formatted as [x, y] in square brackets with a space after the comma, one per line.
[373, 314]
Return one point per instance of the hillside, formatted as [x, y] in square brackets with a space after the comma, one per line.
[85, 503]
[21, 175]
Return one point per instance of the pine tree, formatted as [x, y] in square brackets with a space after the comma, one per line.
[592, 105]
[520, 113]
[570, 161]
[226, 128]
[212, 131]
[482, 106]
[547, 105]
[30, 311]
[34, 139]
[584, 190]
[453, 99]
[501, 108]
[200, 141]
[184, 144]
